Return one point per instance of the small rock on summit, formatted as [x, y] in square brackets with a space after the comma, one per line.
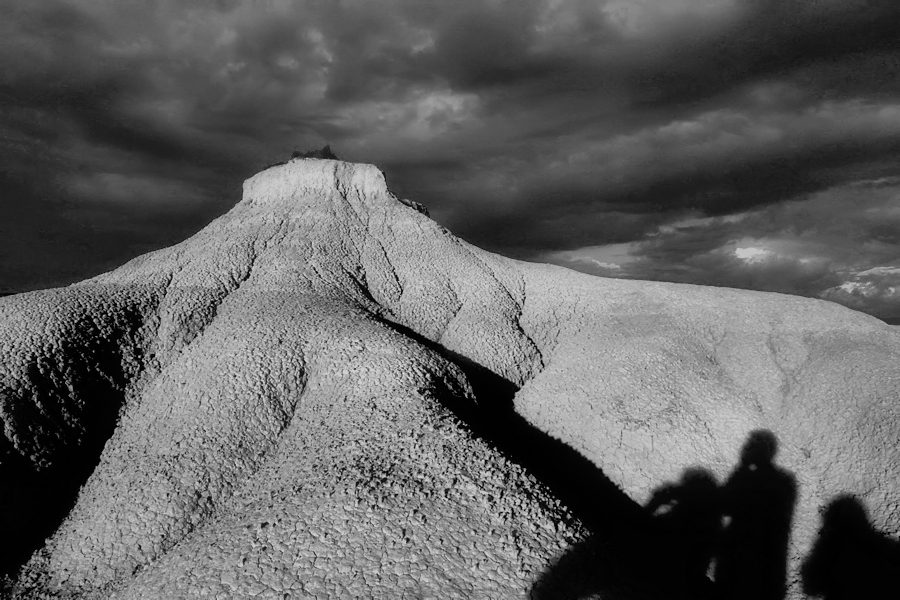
[325, 153]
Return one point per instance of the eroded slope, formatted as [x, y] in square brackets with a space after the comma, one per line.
[287, 387]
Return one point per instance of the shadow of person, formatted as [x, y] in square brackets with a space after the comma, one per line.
[688, 520]
[660, 551]
[850, 559]
[757, 503]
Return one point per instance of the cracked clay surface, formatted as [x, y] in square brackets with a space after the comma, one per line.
[267, 410]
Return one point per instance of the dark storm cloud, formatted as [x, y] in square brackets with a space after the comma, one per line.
[771, 63]
[720, 162]
[675, 58]
[774, 39]
[876, 291]
[531, 127]
[839, 244]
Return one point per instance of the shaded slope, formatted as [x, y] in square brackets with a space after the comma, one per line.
[70, 360]
[288, 414]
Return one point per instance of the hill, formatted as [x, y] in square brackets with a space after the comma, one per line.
[326, 394]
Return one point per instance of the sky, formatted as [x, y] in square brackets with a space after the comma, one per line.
[743, 143]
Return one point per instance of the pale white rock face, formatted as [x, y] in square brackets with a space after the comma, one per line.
[295, 409]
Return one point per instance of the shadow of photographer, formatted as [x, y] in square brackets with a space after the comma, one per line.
[687, 516]
[850, 559]
[757, 504]
[693, 539]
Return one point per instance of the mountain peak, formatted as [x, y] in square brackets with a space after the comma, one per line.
[301, 181]
[321, 376]
[300, 178]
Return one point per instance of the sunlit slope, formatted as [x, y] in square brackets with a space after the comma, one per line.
[280, 395]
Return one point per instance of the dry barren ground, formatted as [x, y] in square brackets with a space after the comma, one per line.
[325, 394]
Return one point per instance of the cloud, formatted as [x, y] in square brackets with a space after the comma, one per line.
[876, 291]
[610, 260]
[536, 128]
[135, 189]
[840, 244]
[751, 254]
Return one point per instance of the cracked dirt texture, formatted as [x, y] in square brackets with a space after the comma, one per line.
[274, 400]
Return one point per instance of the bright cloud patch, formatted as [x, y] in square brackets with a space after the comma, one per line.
[875, 290]
[751, 254]
[611, 260]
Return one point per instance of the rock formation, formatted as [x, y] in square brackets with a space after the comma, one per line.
[325, 152]
[325, 394]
